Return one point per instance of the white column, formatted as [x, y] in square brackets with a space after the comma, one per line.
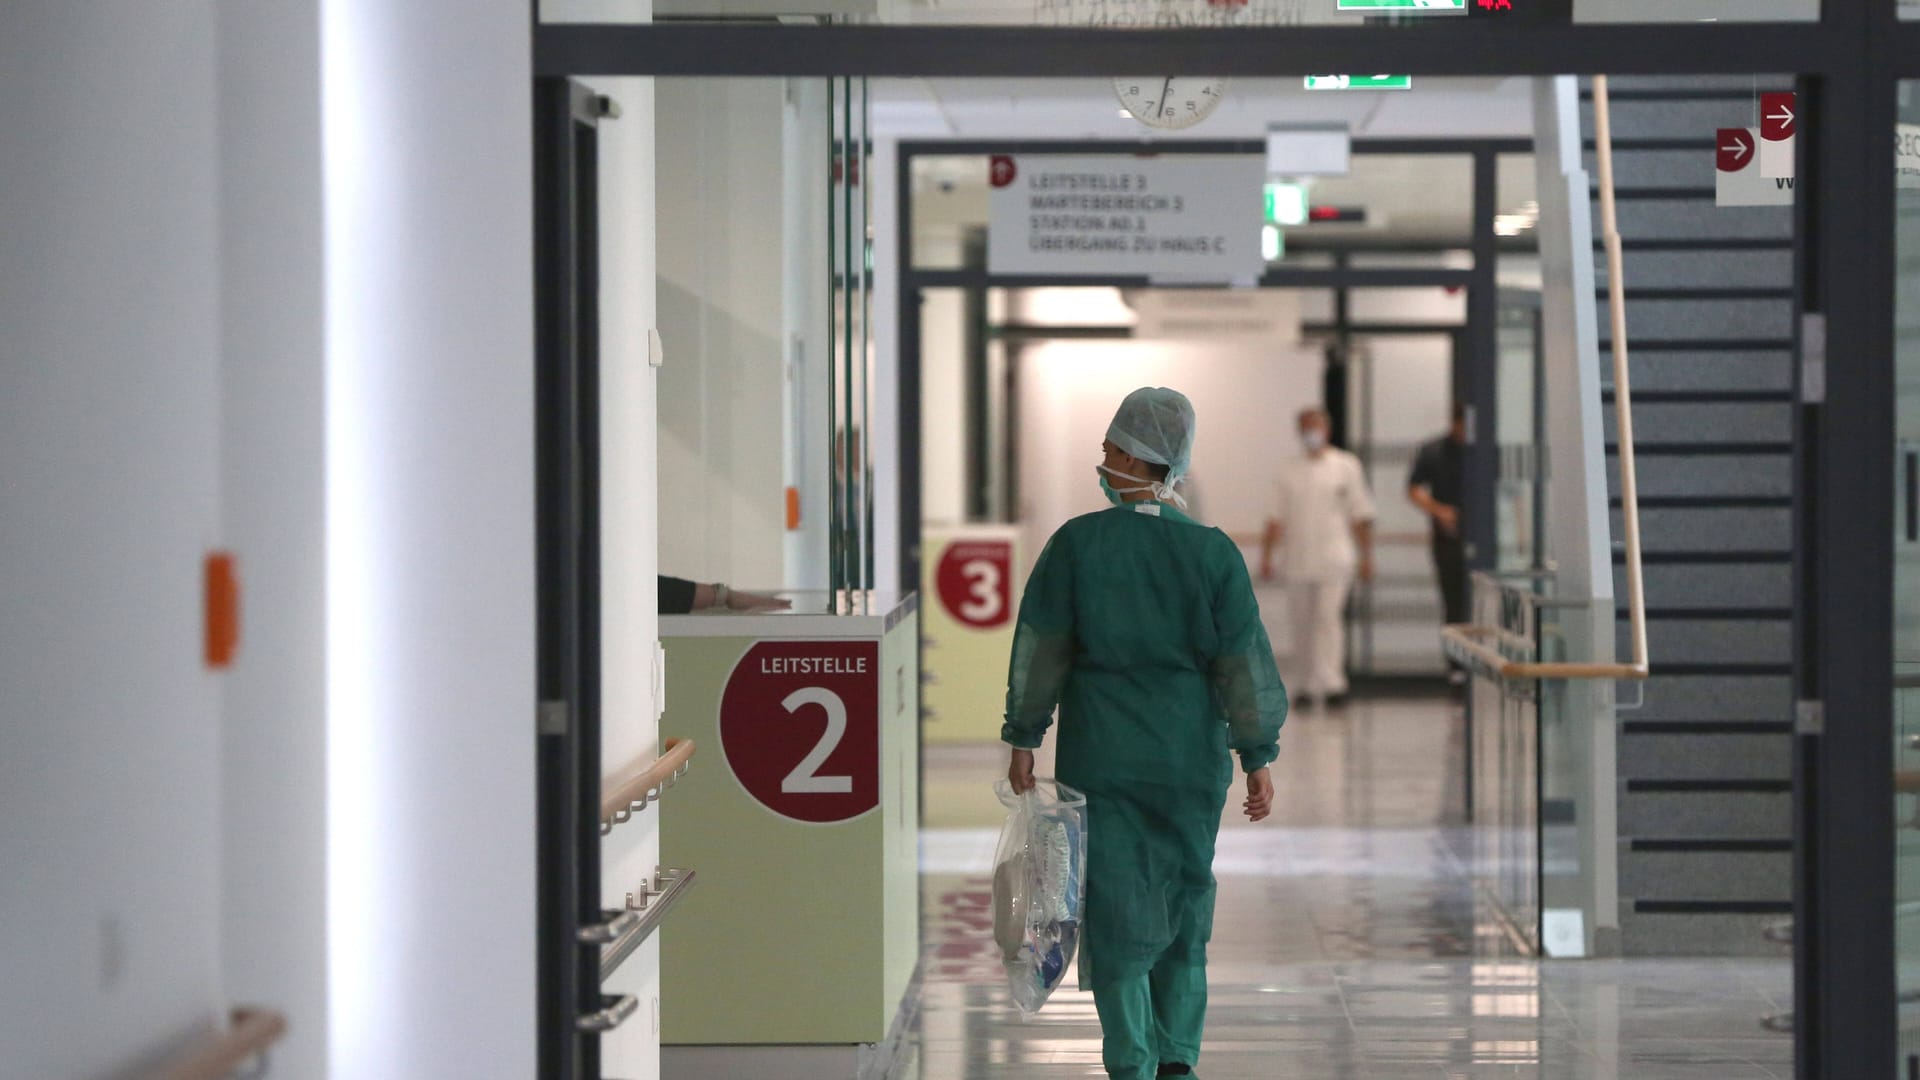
[430, 538]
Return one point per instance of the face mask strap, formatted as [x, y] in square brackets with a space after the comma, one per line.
[1161, 491]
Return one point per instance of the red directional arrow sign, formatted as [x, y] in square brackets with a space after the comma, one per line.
[1733, 149]
[1777, 116]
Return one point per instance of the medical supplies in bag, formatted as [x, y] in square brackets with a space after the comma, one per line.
[1039, 887]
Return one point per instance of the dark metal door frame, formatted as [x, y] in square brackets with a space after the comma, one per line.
[1851, 60]
[567, 451]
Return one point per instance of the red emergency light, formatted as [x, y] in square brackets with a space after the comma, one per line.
[1333, 214]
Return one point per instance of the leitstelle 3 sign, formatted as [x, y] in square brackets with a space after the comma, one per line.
[1178, 217]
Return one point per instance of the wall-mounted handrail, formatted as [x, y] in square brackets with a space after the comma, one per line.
[620, 798]
[1469, 642]
[656, 898]
[1622, 384]
[220, 1054]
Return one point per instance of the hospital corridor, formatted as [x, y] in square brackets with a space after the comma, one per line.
[1347, 941]
[959, 539]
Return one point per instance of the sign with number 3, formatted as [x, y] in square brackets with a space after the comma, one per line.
[800, 728]
[976, 582]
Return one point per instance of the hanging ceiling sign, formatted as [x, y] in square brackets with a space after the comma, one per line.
[1187, 217]
[1777, 128]
[1737, 177]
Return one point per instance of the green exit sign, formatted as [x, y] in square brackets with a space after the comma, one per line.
[1359, 82]
[1411, 7]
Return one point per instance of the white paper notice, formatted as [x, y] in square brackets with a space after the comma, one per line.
[1183, 217]
[1737, 178]
[1906, 155]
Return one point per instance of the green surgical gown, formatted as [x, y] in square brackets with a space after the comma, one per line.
[1142, 628]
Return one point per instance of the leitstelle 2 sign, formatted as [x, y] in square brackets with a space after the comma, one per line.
[1182, 217]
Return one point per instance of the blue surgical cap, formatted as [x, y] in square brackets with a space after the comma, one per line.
[1156, 424]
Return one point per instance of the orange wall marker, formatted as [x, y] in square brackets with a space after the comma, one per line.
[223, 610]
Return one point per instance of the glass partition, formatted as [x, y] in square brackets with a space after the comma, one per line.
[1519, 508]
[1541, 834]
[850, 372]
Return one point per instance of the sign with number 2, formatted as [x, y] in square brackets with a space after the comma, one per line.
[800, 728]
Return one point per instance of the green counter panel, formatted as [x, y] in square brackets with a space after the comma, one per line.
[798, 932]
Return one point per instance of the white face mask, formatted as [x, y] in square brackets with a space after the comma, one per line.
[1313, 439]
[1163, 492]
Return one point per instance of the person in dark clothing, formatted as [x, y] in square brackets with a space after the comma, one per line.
[1436, 487]
[679, 596]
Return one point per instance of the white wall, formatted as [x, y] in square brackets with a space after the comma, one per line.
[273, 519]
[807, 154]
[430, 538]
[721, 315]
[943, 407]
[1245, 393]
[109, 436]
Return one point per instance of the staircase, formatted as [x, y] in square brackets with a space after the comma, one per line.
[1705, 821]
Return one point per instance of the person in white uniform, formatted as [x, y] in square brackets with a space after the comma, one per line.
[1323, 528]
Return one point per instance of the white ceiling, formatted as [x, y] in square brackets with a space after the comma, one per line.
[1087, 108]
[1409, 198]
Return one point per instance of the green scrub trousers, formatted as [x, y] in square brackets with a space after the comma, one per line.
[1142, 628]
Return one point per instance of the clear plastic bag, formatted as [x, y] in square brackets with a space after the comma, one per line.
[1039, 887]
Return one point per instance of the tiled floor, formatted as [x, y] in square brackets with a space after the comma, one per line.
[1346, 944]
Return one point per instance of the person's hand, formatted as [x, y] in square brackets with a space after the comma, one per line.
[746, 601]
[1366, 567]
[1259, 795]
[1266, 575]
[1448, 517]
[1020, 771]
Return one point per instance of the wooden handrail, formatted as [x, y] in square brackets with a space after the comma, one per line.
[1471, 641]
[248, 1036]
[621, 797]
[1622, 379]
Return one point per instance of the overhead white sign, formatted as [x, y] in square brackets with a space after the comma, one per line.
[1309, 151]
[1271, 315]
[1906, 155]
[1737, 180]
[1187, 217]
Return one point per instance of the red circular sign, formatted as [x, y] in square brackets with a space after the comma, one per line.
[976, 582]
[1733, 149]
[800, 727]
[1001, 171]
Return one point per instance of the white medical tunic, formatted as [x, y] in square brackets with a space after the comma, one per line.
[1320, 500]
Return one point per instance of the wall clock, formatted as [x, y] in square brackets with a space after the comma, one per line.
[1170, 101]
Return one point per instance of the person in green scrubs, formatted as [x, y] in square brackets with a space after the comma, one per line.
[1142, 627]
